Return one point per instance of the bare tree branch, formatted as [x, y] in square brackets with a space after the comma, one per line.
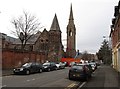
[27, 25]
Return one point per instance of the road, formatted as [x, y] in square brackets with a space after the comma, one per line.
[104, 76]
[57, 78]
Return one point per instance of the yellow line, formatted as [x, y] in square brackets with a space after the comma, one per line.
[70, 86]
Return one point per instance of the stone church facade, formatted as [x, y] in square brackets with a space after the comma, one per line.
[50, 43]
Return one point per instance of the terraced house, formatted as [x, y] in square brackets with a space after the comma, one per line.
[115, 37]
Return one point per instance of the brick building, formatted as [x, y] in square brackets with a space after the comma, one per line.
[115, 38]
[6, 41]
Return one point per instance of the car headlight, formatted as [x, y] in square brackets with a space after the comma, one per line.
[13, 69]
[21, 69]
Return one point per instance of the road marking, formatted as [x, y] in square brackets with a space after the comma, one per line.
[33, 79]
[71, 85]
[28, 80]
[81, 85]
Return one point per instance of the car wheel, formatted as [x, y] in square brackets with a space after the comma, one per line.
[56, 68]
[70, 78]
[86, 79]
[48, 69]
[40, 70]
[14, 73]
[27, 72]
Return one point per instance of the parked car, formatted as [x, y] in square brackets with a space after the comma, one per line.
[48, 66]
[94, 66]
[72, 63]
[79, 71]
[28, 68]
[60, 65]
[90, 67]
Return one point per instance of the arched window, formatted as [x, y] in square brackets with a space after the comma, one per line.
[70, 33]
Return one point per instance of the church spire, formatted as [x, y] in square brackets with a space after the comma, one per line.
[71, 19]
[71, 13]
[55, 24]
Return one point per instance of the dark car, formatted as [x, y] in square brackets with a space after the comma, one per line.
[90, 68]
[79, 71]
[94, 66]
[48, 66]
[29, 68]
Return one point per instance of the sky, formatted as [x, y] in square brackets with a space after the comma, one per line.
[92, 18]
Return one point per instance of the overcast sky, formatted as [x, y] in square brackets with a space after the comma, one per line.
[92, 18]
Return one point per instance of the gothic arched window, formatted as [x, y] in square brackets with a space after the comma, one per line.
[70, 33]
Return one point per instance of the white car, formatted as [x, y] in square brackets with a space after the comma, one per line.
[60, 65]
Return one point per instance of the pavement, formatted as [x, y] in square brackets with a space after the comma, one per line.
[7, 72]
[104, 77]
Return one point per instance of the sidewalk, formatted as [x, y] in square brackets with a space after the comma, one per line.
[104, 77]
[111, 77]
[7, 72]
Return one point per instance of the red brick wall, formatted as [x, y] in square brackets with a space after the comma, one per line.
[12, 59]
[116, 34]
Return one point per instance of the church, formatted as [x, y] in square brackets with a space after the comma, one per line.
[50, 42]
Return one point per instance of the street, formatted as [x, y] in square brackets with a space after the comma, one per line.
[57, 78]
[103, 77]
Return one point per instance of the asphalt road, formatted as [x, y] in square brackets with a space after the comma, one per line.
[57, 78]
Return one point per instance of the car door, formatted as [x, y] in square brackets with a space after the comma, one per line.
[54, 66]
[88, 72]
[38, 66]
[51, 66]
[33, 68]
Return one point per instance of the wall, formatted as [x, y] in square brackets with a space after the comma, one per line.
[12, 59]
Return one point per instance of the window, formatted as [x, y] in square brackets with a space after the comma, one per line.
[41, 40]
[46, 40]
[70, 33]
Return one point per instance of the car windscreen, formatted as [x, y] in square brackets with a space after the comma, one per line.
[46, 64]
[77, 67]
[27, 65]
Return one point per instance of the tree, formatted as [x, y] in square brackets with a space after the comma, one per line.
[85, 55]
[105, 53]
[25, 27]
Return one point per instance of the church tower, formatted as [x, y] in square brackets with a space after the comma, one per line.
[71, 36]
[55, 44]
